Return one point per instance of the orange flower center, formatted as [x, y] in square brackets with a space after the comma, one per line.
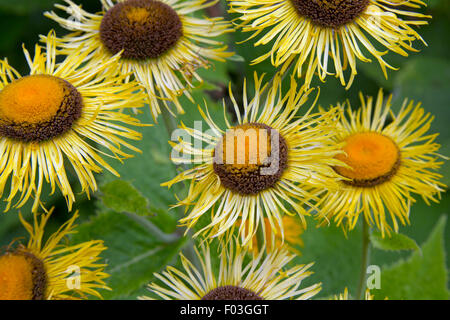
[292, 235]
[373, 158]
[31, 99]
[247, 160]
[38, 108]
[22, 277]
[246, 147]
[138, 15]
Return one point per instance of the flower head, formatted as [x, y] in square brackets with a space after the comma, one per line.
[314, 35]
[160, 42]
[385, 164]
[55, 116]
[51, 270]
[264, 277]
[271, 163]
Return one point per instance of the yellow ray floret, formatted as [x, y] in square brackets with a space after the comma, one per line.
[265, 277]
[56, 117]
[296, 148]
[386, 164]
[51, 270]
[161, 43]
[345, 295]
[324, 38]
[292, 232]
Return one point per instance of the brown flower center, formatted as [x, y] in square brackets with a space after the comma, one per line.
[143, 29]
[38, 108]
[330, 13]
[231, 293]
[250, 158]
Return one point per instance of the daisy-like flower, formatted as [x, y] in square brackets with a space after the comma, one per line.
[387, 162]
[51, 270]
[271, 163]
[314, 35]
[344, 295]
[264, 277]
[293, 229]
[160, 42]
[55, 116]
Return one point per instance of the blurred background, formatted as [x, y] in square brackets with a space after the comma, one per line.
[424, 76]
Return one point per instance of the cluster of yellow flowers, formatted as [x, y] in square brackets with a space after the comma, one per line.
[334, 164]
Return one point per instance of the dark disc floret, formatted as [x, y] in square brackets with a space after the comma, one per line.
[330, 13]
[246, 179]
[69, 111]
[231, 293]
[143, 29]
[38, 273]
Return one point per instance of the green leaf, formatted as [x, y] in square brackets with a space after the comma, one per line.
[147, 170]
[121, 196]
[421, 276]
[135, 251]
[336, 258]
[164, 220]
[396, 242]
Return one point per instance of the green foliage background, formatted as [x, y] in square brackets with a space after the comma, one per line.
[131, 215]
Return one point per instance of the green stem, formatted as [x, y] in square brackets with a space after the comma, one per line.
[171, 125]
[154, 230]
[364, 260]
[169, 121]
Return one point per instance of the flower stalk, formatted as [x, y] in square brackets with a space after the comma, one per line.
[365, 260]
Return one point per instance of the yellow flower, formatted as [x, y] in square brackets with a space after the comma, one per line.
[293, 230]
[57, 114]
[51, 270]
[271, 163]
[344, 296]
[387, 162]
[264, 277]
[160, 42]
[315, 35]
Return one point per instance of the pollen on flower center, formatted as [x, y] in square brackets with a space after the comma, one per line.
[330, 13]
[250, 158]
[373, 158]
[143, 29]
[22, 277]
[38, 108]
[231, 293]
